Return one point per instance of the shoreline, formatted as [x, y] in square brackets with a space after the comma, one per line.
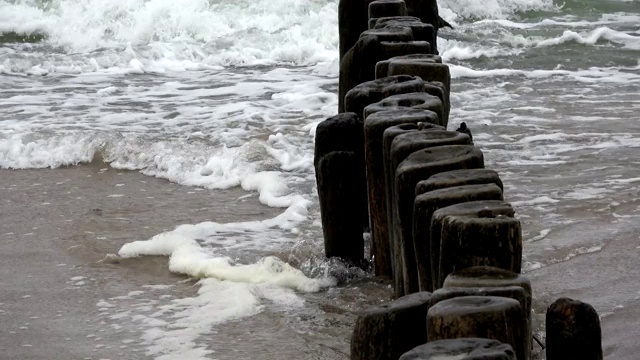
[56, 227]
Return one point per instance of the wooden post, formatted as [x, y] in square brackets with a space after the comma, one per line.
[388, 331]
[489, 317]
[573, 331]
[420, 165]
[424, 206]
[462, 348]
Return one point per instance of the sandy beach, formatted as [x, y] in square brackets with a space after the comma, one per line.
[56, 228]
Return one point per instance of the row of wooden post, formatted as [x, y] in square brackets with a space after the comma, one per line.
[439, 225]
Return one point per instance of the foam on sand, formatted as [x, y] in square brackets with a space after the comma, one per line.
[187, 256]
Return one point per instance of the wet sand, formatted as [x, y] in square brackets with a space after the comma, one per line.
[609, 280]
[56, 226]
[64, 297]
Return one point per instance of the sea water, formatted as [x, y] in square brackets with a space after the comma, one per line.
[220, 94]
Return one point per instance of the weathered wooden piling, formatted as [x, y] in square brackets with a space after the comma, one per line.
[427, 12]
[339, 166]
[425, 205]
[368, 93]
[422, 66]
[388, 331]
[490, 277]
[400, 148]
[382, 67]
[487, 276]
[489, 317]
[374, 128]
[371, 92]
[513, 292]
[573, 331]
[353, 19]
[359, 63]
[385, 8]
[425, 66]
[416, 100]
[472, 208]
[414, 173]
[471, 240]
[420, 165]
[459, 178]
[387, 139]
[421, 31]
[462, 348]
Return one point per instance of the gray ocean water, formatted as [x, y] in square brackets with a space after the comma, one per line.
[225, 96]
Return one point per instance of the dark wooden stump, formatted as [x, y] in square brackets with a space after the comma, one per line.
[489, 317]
[374, 128]
[339, 165]
[388, 331]
[387, 139]
[459, 178]
[382, 67]
[422, 66]
[473, 208]
[427, 12]
[420, 165]
[358, 65]
[398, 144]
[425, 205]
[421, 31]
[370, 92]
[487, 276]
[386, 8]
[353, 19]
[462, 348]
[390, 33]
[469, 240]
[573, 331]
[400, 48]
[512, 292]
[417, 100]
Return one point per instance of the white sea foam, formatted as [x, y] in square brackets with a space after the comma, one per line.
[603, 75]
[175, 329]
[187, 256]
[601, 33]
[186, 35]
[496, 9]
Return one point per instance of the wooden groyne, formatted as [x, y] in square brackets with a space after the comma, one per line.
[440, 226]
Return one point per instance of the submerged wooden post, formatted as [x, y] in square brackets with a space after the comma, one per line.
[387, 139]
[402, 146]
[339, 166]
[385, 8]
[462, 348]
[490, 277]
[420, 165]
[370, 92]
[459, 178]
[514, 292]
[388, 331]
[416, 100]
[358, 65]
[374, 128]
[427, 67]
[425, 204]
[488, 317]
[573, 331]
[470, 240]
[421, 31]
[489, 208]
